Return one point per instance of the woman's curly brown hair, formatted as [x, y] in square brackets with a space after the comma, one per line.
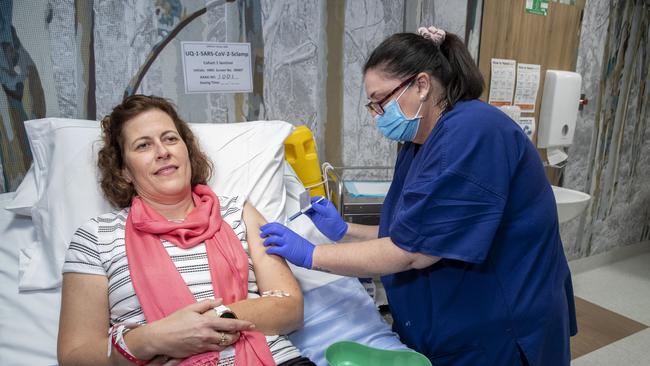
[110, 161]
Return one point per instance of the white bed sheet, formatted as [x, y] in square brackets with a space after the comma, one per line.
[28, 321]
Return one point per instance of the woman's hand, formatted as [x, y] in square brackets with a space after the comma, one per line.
[191, 331]
[324, 215]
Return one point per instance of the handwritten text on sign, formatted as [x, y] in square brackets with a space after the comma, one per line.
[214, 67]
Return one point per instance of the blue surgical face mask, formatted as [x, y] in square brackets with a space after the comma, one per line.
[395, 125]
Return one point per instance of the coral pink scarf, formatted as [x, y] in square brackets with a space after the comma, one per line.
[161, 289]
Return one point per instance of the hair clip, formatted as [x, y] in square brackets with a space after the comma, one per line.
[436, 35]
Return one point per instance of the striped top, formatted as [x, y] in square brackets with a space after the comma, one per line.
[97, 247]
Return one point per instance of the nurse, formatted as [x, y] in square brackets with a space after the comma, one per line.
[468, 243]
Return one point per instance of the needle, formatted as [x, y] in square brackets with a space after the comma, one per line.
[292, 217]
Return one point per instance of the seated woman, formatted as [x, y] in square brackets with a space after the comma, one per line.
[158, 271]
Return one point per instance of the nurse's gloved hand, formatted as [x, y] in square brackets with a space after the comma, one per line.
[327, 219]
[282, 241]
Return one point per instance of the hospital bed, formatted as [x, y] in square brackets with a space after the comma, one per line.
[60, 192]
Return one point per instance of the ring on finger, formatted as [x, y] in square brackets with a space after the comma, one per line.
[223, 340]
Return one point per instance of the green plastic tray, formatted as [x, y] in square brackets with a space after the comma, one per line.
[347, 353]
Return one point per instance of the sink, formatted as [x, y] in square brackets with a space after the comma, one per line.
[569, 203]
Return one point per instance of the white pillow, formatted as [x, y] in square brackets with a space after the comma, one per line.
[32, 186]
[26, 195]
[248, 160]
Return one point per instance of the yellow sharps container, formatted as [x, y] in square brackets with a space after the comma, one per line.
[300, 152]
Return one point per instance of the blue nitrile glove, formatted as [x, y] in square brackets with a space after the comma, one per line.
[282, 241]
[327, 219]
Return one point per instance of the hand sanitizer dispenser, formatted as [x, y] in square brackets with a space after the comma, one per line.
[558, 114]
[559, 109]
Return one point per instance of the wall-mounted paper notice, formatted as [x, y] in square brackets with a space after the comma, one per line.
[527, 86]
[528, 125]
[502, 82]
[512, 111]
[215, 67]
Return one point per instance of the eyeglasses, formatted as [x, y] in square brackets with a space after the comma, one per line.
[377, 107]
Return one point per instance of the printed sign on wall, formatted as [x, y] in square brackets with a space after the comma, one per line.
[528, 125]
[502, 82]
[538, 7]
[216, 67]
[527, 86]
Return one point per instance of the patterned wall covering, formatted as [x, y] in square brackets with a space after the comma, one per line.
[70, 35]
[71, 58]
[25, 85]
[448, 15]
[138, 26]
[610, 157]
[367, 23]
[80, 57]
[295, 64]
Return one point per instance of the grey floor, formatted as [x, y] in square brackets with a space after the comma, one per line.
[624, 288]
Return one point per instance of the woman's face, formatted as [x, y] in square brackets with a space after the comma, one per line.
[156, 160]
[378, 85]
[420, 97]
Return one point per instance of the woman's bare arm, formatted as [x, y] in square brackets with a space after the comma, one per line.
[271, 315]
[83, 324]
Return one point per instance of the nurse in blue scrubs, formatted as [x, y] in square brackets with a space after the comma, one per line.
[468, 243]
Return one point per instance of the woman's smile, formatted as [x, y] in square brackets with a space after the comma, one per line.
[166, 170]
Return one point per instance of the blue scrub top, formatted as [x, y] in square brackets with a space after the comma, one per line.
[476, 195]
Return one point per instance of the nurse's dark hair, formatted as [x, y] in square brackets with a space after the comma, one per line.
[403, 55]
[110, 160]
